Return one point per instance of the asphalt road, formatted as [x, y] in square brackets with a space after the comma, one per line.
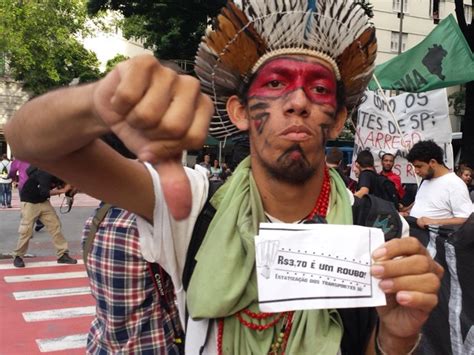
[40, 244]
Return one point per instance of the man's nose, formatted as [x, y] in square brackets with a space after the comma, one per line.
[298, 103]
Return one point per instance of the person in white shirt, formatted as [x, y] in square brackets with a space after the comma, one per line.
[442, 198]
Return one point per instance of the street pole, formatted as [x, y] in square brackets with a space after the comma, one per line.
[400, 32]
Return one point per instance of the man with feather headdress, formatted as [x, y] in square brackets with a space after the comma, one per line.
[287, 71]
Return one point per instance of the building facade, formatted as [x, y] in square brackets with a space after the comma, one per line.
[418, 20]
[12, 96]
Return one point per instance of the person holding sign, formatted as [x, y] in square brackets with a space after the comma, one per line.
[272, 70]
[442, 198]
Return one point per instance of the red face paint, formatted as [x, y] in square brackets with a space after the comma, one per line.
[282, 76]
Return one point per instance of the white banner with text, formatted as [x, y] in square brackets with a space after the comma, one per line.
[420, 116]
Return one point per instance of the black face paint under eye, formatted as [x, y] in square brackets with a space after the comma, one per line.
[325, 134]
[259, 106]
[258, 115]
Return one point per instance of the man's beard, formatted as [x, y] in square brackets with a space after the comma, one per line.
[386, 170]
[289, 170]
[430, 174]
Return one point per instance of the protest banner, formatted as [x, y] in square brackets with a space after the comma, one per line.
[419, 116]
[441, 60]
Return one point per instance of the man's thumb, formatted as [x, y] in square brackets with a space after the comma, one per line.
[176, 188]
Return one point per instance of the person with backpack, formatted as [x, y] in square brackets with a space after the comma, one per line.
[18, 174]
[5, 182]
[369, 182]
[272, 71]
[136, 311]
[35, 204]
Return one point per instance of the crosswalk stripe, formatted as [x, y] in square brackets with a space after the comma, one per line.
[36, 264]
[76, 341]
[57, 292]
[49, 281]
[45, 277]
[62, 313]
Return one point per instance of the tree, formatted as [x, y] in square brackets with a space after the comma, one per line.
[40, 41]
[172, 28]
[111, 63]
[467, 126]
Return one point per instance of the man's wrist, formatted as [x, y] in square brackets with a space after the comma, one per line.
[88, 108]
[389, 344]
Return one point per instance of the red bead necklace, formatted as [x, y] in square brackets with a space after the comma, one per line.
[260, 327]
[322, 203]
[320, 209]
[261, 315]
[220, 334]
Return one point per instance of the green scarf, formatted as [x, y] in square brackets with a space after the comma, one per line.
[224, 280]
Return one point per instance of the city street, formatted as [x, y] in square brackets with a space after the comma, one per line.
[46, 307]
[41, 245]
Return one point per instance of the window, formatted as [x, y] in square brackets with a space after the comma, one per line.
[434, 11]
[468, 13]
[395, 39]
[396, 5]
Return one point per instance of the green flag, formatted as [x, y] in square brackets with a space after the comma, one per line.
[442, 59]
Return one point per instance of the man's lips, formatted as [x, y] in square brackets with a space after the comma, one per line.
[296, 133]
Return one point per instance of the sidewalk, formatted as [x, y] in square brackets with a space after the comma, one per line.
[80, 200]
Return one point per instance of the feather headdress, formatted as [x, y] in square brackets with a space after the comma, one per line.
[249, 32]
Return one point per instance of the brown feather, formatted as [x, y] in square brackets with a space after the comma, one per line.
[353, 65]
[238, 51]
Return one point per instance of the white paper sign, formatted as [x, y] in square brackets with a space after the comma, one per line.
[419, 116]
[316, 266]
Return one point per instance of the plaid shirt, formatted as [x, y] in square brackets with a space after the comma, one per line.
[130, 318]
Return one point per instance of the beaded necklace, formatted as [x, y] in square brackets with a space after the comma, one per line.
[320, 209]
[322, 203]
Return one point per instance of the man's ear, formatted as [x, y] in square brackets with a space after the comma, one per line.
[237, 113]
[433, 163]
[336, 129]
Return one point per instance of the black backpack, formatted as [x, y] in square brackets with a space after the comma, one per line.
[385, 189]
[31, 170]
[389, 189]
[31, 186]
[373, 211]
